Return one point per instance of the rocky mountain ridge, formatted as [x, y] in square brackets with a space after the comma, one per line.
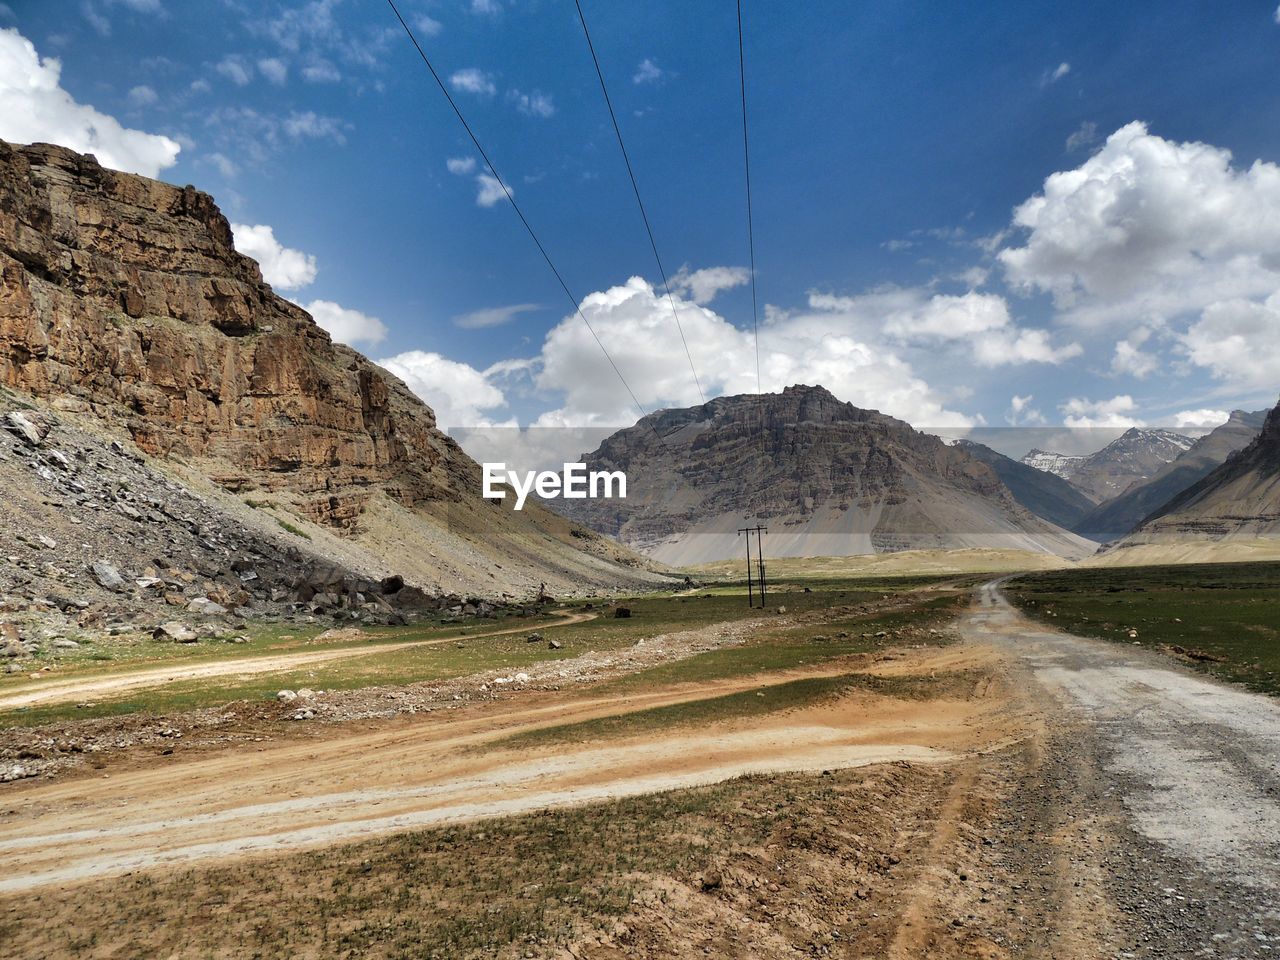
[828, 478]
[1133, 457]
[1119, 515]
[123, 303]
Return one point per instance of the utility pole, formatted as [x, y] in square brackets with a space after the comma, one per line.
[760, 532]
[750, 597]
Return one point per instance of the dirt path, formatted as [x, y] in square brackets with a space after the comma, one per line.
[427, 772]
[45, 692]
[1154, 804]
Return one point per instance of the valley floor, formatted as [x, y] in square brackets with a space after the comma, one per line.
[992, 788]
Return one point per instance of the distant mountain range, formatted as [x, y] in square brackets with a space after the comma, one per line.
[827, 478]
[1134, 457]
[1123, 513]
[1237, 500]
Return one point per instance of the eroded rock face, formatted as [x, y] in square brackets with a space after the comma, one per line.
[125, 296]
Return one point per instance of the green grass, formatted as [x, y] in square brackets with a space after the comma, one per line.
[1227, 610]
[651, 615]
[293, 528]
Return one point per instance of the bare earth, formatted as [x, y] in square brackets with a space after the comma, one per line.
[1077, 799]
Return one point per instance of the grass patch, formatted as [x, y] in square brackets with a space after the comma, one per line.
[1222, 610]
[293, 528]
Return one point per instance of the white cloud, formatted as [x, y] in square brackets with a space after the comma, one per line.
[533, 104]
[226, 166]
[320, 70]
[311, 125]
[1084, 135]
[142, 6]
[636, 326]
[96, 20]
[1130, 359]
[486, 7]
[1147, 229]
[1236, 340]
[1276, 16]
[914, 316]
[347, 326]
[282, 267]
[490, 190]
[1021, 413]
[1082, 414]
[142, 96]
[1056, 74]
[1199, 419]
[427, 26]
[236, 70]
[473, 80]
[703, 286]
[460, 395]
[461, 166]
[274, 69]
[36, 108]
[648, 72]
[493, 316]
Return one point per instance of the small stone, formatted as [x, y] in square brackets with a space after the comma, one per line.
[108, 577]
[175, 631]
[47, 542]
[286, 696]
[621, 613]
[533, 638]
[554, 644]
[25, 427]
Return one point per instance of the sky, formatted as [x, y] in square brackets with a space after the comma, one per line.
[1001, 214]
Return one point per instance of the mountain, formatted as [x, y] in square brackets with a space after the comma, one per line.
[1042, 492]
[1059, 464]
[129, 321]
[1237, 501]
[1121, 514]
[828, 479]
[1135, 456]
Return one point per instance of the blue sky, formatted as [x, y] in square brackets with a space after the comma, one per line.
[892, 144]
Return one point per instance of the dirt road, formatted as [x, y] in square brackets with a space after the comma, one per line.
[1165, 785]
[44, 692]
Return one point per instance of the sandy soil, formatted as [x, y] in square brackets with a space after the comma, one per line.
[296, 795]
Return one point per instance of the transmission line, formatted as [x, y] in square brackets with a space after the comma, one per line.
[520, 213]
[635, 187]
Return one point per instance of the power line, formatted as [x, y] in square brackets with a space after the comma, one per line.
[640, 203]
[746, 163]
[520, 213]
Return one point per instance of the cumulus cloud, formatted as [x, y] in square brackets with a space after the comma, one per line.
[473, 80]
[493, 316]
[1082, 414]
[1203, 419]
[647, 72]
[461, 166]
[489, 190]
[979, 320]
[460, 395]
[347, 326]
[1131, 359]
[282, 267]
[1149, 229]
[1236, 340]
[1021, 413]
[703, 286]
[36, 109]
[636, 326]
[533, 104]
[427, 26]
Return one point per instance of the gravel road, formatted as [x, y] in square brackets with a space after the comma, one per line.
[1172, 783]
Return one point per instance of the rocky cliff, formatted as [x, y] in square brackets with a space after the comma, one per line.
[828, 478]
[124, 301]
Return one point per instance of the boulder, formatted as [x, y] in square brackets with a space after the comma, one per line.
[175, 631]
[108, 577]
[533, 638]
[621, 613]
[26, 427]
[286, 696]
[206, 606]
